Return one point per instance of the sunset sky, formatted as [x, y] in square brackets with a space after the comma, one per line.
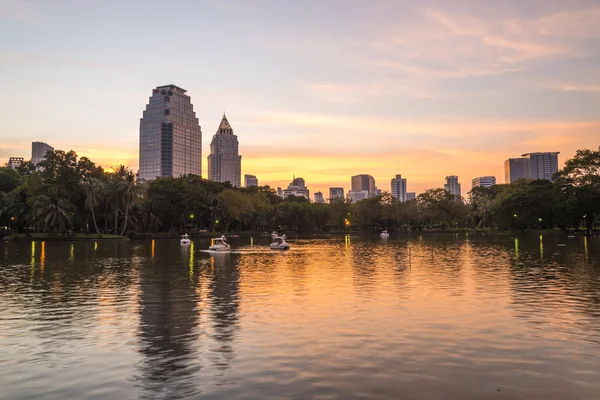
[320, 89]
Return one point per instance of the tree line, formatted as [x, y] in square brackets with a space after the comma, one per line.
[67, 194]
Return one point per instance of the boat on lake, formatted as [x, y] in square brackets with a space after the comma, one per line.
[185, 240]
[384, 234]
[279, 242]
[220, 244]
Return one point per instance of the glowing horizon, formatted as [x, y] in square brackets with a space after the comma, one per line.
[319, 91]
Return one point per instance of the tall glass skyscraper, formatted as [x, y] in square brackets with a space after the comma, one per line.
[38, 151]
[224, 161]
[170, 135]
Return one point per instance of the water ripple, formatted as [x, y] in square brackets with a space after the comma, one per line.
[415, 317]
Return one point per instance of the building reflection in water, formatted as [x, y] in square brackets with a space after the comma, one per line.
[188, 322]
[168, 334]
[224, 300]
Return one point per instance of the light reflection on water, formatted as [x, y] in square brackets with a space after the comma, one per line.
[424, 317]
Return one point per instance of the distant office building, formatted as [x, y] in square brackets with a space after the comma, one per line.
[38, 151]
[378, 191]
[336, 193]
[452, 186]
[296, 188]
[399, 188]
[224, 161]
[411, 196]
[319, 197]
[170, 136]
[356, 196]
[250, 180]
[364, 182]
[279, 192]
[299, 182]
[484, 181]
[15, 162]
[542, 165]
[515, 169]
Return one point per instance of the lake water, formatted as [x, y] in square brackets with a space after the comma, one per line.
[431, 317]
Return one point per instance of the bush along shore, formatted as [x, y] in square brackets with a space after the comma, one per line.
[66, 197]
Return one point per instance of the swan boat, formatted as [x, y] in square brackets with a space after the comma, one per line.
[279, 243]
[384, 234]
[220, 244]
[185, 240]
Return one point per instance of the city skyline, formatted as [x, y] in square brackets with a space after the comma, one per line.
[430, 84]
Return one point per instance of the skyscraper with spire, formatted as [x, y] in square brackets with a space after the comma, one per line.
[224, 161]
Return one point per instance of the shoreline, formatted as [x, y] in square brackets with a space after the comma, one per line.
[207, 235]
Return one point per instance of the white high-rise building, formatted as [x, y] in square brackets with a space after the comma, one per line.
[484, 181]
[170, 136]
[15, 162]
[319, 197]
[452, 186]
[224, 161]
[336, 193]
[399, 188]
[250, 180]
[296, 188]
[356, 196]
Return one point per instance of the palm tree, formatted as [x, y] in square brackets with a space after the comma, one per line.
[127, 189]
[93, 189]
[146, 218]
[52, 209]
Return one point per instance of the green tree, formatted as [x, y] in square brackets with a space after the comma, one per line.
[232, 205]
[52, 210]
[579, 182]
[438, 206]
[10, 179]
[93, 189]
[525, 204]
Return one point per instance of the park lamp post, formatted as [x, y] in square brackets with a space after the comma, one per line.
[192, 218]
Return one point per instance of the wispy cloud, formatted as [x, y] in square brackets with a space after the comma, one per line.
[571, 87]
[445, 44]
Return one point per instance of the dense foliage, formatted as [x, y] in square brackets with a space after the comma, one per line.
[70, 194]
